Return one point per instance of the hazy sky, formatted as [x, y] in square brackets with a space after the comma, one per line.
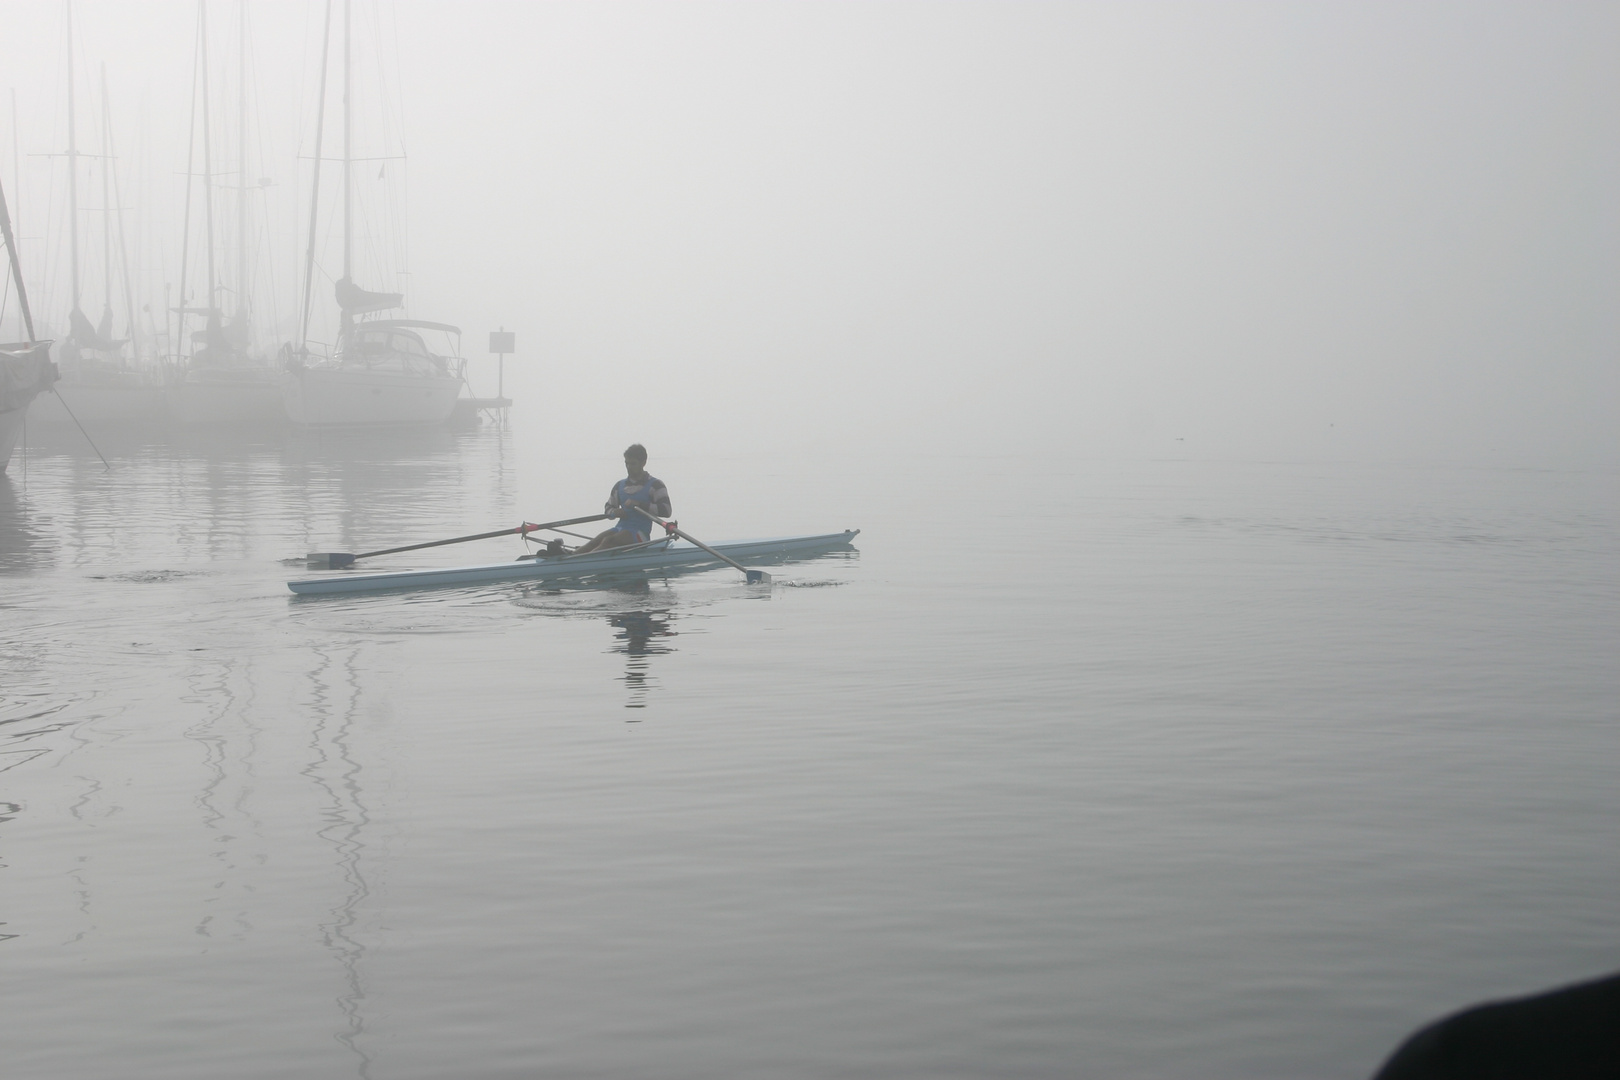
[1284, 230]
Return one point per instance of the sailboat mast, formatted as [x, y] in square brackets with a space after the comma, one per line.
[208, 169]
[106, 198]
[118, 209]
[348, 184]
[179, 342]
[16, 195]
[16, 165]
[315, 183]
[241, 165]
[73, 168]
[16, 267]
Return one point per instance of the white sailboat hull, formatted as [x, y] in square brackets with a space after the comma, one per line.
[26, 372]
[249, 398]
[356, 397]
[11, 429]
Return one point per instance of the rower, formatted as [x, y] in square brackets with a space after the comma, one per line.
[638, 488]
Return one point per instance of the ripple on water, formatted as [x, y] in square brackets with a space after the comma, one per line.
[150, 577]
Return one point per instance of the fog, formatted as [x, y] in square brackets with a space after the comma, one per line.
[1282, 231]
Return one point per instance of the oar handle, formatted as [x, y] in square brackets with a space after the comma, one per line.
[441, 543]
[524, 528]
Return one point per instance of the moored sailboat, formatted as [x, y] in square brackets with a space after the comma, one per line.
[384, 375]
[382, 372]
[224, 384]
[97, 386]
[26, 370]
[223, 381]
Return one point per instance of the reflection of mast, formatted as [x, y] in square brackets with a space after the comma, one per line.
[347, 817]
[228, 736]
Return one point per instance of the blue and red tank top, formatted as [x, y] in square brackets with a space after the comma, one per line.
[650, 494]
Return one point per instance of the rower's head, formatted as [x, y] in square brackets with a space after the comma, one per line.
[635, 459]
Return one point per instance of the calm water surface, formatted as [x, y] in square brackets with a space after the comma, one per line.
[1144, 769]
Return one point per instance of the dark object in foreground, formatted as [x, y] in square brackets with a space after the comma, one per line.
[1567, 1034]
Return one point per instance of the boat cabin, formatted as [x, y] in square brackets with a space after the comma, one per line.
[392, 349]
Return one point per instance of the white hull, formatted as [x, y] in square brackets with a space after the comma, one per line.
[356, 397]
[250, 399]
[26, 372]
[11, 429]
[659, 556]
[99, 403]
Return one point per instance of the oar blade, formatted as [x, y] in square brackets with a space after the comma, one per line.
[328, 560]
[753, 577]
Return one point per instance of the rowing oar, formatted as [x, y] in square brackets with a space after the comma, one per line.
[755, 577]
[337, 560]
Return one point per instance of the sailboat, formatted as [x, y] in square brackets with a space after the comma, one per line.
[26, 370]
[382, 372]
[223, 383]
[97, 385]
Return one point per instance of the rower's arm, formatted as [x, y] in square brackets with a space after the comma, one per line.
[661, 505]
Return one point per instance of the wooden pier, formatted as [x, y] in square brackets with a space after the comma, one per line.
[468, 410]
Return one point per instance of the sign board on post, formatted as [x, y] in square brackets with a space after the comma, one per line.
[502, 341]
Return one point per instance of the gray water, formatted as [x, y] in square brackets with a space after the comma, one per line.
[1074, 768]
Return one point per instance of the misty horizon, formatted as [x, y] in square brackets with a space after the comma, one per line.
[1305, 232]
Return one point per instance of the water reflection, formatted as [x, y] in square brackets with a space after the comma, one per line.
[639, 637]
[335, 770]
[640, 611]
[220, 684]
[200, 495]
[643, 611]
[20, 540]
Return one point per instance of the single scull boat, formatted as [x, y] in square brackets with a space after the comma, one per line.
[654, 555]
